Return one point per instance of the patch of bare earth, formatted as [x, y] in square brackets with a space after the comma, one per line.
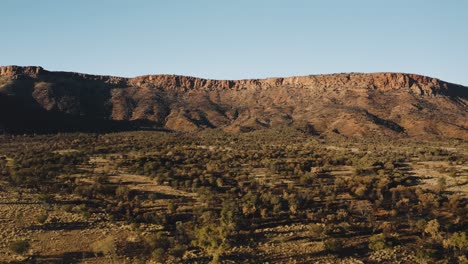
[430, 173]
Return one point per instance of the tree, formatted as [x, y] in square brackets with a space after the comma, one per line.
[231, 217]
[363, 207]
[378, 242]
[457, 242]
[183, 232]
[212, 238]
[250, 204]
[427, 201]
[158, 244]
[432, 228]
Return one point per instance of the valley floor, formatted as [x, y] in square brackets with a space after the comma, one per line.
[258, 197]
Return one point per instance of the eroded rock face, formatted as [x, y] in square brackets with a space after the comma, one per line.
[17, 70]
[381, 81]
[351, 104]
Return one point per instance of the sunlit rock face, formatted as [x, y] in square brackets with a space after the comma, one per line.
[350, 104]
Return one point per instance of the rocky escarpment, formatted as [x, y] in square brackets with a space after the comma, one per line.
[383, 81]
[350, 104]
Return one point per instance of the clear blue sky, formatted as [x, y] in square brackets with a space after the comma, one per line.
[238, 39]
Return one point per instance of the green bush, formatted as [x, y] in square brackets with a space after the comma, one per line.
[378, 242]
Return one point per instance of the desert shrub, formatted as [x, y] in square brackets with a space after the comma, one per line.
[333, 245]
[161, 246]
[317, 231]
[122, 192]
[171, 207]
[105, 246]
[378, 242]
[158, 241]
[45, 198]
[178, 251]
[35, 168]
[42, 217]
[212, 239]
[85, 191]
[433, 228]
[457, 242]
[67, 208]
[158, 254]
[20, 246]
[425, 253]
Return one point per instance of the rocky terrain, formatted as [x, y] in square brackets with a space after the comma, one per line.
[351, 104]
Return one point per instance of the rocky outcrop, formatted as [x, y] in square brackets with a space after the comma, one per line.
[351, 104]
[17, 70]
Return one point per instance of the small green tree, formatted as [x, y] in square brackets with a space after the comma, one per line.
[432, 228]
[231, 217]
[212, 239]
[378, 242]
[457, 242]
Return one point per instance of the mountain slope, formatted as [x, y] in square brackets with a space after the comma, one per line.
[394, 104]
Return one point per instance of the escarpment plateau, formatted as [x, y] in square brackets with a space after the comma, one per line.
[350, 104]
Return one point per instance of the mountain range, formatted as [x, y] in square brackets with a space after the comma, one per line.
[34, 100]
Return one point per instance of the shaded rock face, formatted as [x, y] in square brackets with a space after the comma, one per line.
[354, 104]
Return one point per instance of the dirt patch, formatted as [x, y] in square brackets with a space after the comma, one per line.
[146, 184]
[430, 172]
